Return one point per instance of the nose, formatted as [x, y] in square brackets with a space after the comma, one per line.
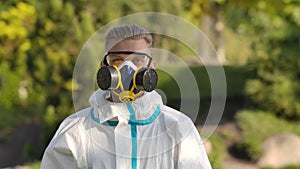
[127, 75]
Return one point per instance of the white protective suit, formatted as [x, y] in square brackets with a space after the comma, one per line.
[147, 135]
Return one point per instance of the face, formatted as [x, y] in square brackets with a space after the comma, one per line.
[133, 45]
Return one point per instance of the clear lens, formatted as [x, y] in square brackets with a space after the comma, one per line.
[139, 59]
[114, 60]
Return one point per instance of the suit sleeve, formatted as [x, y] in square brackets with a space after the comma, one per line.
[62, 151]
[58, 156]
[191, 152]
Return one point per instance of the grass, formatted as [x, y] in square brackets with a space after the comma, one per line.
[218, 151]
[34, 165]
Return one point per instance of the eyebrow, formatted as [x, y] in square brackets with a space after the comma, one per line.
[127, 52]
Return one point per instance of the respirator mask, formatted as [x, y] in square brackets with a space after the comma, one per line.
[127, 77]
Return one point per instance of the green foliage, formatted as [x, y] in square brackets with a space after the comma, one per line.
[34, 165]
[281, 97]
[9, 86]
[257, 126]
[275, 86]
[61, 29]
[216, 157]
[16, 24]
[238, 48]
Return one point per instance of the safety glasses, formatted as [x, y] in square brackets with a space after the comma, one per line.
[117, 57]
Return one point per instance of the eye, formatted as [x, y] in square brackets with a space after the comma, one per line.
[138, 59]
[116, 62]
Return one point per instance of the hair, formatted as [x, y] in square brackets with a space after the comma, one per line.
[124, 32]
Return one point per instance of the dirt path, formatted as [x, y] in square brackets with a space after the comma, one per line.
[238, 165]
[233, 163]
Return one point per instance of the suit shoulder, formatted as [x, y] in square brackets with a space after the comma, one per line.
[73, 121]
[174, 115]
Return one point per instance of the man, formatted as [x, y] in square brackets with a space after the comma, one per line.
[127, 125]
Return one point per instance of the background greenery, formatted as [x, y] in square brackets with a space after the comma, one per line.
[260, 40]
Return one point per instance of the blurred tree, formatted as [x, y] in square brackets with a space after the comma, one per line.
[209, 16]
[275, 30]
[61, 29]
[16, 24]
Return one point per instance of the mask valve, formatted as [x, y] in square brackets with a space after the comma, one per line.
[146, 79]
[108, 78]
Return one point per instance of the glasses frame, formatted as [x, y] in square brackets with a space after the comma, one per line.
[126, 53]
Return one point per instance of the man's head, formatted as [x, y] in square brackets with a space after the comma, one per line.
[128, 61]
[123, 41]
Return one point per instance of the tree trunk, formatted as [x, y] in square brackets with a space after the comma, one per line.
[212, 25]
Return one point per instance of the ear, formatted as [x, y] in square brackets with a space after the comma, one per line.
[153, 64]
[102, 63]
